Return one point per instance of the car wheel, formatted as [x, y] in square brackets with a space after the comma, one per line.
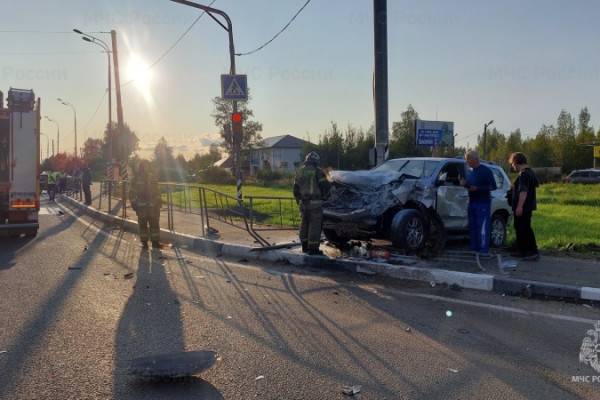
[335, 239]
[498, 231]
[408, 230]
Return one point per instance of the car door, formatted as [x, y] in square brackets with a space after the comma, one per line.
[452, 199]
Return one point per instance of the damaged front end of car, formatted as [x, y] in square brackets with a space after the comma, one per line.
[382, 205]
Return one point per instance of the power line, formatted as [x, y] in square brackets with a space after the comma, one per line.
[172, 47]
[46, 53]
[42, 32]
[277, 34]
[96, 112]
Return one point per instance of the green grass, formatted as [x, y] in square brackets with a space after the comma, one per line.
[568, 217]
[282, 212]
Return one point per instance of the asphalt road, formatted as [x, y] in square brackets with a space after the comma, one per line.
[70, 322]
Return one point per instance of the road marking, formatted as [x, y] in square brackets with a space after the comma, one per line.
[495, 307]
[48, 210]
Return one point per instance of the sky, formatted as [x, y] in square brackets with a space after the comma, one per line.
[468, 61]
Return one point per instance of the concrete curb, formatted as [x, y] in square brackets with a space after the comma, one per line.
[420, 271]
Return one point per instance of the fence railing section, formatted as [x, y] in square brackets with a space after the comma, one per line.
[200, 205]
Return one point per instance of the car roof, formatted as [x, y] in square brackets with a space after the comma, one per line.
[488, 163]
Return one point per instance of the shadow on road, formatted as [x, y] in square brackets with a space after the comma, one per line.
[10, 248]
[151, 324]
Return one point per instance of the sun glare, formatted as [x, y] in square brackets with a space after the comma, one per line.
[139, 71]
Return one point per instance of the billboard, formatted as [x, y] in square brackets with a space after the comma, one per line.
[434, 133]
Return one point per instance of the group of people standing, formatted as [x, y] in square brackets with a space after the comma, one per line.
[521, 197]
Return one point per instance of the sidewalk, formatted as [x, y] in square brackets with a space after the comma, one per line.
[552, 276]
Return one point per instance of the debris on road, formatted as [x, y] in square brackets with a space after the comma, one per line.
[432, 284]
[176, 365]
[74, 268]
[464, 331]
[456, 287]
[128, 275]
[85, 248]
[229, 317]
[336, 293]
[454, 371]
[243, 261]
[351, 390]
[587, 306]
[408, 329]
[259, 378]
[3, 351]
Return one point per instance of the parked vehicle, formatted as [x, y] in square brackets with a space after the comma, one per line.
[19, 163]
[414, 202]
[584, 176]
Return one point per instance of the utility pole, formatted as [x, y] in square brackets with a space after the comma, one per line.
[120, 153]
[485, 127]
[380, 81]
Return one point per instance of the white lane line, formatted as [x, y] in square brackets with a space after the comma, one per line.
[495, 307]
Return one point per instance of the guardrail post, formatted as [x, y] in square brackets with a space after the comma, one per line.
[280, 215]
[251, 211]
[206, 210]
[124, 198]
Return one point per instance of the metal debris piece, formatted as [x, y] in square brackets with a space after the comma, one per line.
[587, 306]
[455, 287]
[175, 365]
[432, 284]
[351, 390]
[454, 371]
[408, 329]
[259, 378]
[106, 273]
[228, 281]
[74, 268]
[229, 317]
[3, 351]
[128, 275]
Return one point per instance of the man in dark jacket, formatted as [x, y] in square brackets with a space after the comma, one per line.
[86, 184]
[480, 183]
[310, 189]
[524, 202]
[145, 198]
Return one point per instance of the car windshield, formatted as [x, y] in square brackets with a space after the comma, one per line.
[412, 168]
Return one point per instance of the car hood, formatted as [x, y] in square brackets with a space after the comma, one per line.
[364, 180]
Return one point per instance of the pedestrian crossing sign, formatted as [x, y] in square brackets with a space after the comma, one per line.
[234, 87]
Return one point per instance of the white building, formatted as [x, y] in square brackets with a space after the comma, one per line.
[278, 153]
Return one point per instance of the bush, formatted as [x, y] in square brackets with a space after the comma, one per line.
[215, 175]
[277, 178]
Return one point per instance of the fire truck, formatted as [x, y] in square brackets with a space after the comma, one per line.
[19, 163]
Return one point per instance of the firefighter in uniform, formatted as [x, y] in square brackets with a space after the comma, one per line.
[311, 188]
[145, 198]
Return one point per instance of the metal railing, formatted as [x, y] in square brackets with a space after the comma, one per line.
[189, 205]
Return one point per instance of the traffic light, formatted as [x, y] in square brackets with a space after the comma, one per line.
[237, 122]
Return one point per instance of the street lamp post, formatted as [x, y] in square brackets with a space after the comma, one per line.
[228, 26]
[47, 146]
[75, 122]
[57, 134]
[485, 127]
[99, 42]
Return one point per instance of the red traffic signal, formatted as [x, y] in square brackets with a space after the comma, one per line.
[236, 118]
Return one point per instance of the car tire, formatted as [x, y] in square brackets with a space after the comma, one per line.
[498, 230]
[408, 230]
[338, 241]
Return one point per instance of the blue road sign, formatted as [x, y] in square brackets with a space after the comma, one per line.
[434, 133]
[234, 87]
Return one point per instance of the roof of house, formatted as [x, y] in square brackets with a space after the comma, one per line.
[287, 141]
[226, 162]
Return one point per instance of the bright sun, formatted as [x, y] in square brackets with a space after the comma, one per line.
[140, 72]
